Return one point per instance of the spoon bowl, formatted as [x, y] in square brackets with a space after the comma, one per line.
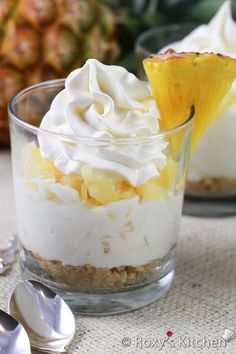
[13, 337]
[8, 254]
[46, 317]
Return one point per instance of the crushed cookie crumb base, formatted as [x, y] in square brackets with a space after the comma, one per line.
[88, 277]
[212, 185]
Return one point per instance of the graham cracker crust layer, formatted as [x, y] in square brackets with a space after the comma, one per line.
[88, 277]
[207, 185]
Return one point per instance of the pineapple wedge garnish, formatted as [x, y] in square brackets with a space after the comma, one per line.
[182, 80]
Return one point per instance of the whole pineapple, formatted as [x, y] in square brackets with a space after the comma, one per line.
[47, 39]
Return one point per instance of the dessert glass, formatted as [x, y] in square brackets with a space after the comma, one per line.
[211, 180]
[107, 257]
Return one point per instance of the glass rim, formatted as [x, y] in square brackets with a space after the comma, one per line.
[172, 27]
[36, 130]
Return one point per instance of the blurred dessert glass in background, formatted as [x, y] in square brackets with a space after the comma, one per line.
[212, 169]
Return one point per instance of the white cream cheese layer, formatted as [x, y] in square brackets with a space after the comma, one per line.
[125, 232]
[101, 101]
[215, 156]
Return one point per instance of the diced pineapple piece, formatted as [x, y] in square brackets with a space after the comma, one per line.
[158, 187]
[35, 165]
[126, 190]
[84, 192]
[104, 187]
[104, 191]
[87, 173]
[168, 175]
[72, 180]
[151, 190]
[93, 202]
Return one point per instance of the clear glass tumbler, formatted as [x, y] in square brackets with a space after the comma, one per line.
[105, 245]
[211, 181]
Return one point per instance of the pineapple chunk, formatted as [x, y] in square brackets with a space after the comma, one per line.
[35, 165]
[151, 190]
[158, 187]
[168, 175]
[104, 191]
[104, 188]
[72, 180]
[126, 190]
[87, 173]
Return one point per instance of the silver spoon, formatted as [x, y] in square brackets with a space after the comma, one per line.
[8, 254]
[47, 319]
[13, 337]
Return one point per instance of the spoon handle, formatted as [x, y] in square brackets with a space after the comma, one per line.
[37, 351]
[8, 254]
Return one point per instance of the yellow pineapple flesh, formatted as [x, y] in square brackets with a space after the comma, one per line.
[35, 165]
[96, 187]
[182, 80]
[158, 187]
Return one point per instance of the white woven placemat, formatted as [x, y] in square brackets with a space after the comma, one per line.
[197, 309]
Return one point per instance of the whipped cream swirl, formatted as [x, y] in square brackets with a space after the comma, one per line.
[107, 102]
[217, 36]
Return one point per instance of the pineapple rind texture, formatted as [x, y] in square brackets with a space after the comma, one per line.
[47, 39]
[96, 187]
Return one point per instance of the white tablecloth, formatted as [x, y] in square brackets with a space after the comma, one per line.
[197, 309]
